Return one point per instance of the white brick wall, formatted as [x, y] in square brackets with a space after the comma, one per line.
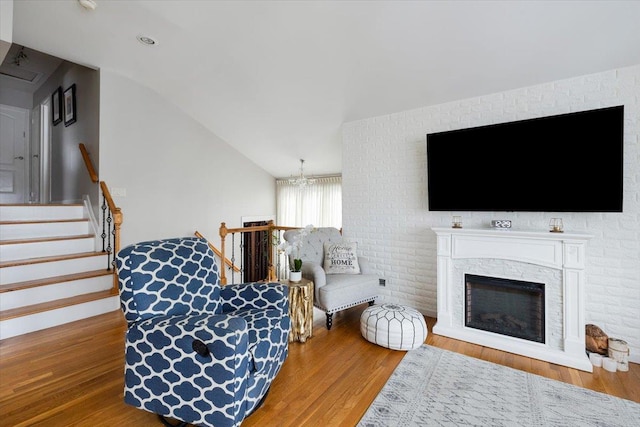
[385, 200]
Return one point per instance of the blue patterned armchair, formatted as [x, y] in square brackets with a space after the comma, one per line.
[195, 351]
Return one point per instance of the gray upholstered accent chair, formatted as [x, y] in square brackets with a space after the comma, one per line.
[333, 292]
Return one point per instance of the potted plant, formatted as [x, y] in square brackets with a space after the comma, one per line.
[295, 267]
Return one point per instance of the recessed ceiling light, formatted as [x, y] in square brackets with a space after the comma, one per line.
[88, 4]
[149, 41]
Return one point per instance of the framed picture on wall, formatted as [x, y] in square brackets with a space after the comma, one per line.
[70, 105]
[56, 106]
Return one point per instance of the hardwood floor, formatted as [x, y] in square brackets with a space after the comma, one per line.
[72, 375]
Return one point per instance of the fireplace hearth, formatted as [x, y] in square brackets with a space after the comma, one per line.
[508, 307]
[544, 319]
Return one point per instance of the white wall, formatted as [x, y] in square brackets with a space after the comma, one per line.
[178, 176]
[385, 195]
[6, 27]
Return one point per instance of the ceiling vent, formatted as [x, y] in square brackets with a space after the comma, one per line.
[26, 68]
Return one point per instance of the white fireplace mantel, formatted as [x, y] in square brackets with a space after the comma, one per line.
[562, 251]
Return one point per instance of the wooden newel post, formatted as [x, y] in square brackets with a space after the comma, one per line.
[223, 237]
[117, 222]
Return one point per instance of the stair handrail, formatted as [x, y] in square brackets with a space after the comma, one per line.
[270, 227]
[216, 251]
[87, 162]
[112, 217]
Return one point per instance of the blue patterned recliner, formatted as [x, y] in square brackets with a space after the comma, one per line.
[196, 351]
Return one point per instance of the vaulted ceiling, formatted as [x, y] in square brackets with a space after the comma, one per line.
[277, 79]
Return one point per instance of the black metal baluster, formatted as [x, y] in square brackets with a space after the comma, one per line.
[113, 260]
[104, 215]
[233, 257]
[109, 219]
[265, 244]
[242, 266]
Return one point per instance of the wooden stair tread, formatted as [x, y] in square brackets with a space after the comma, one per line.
[49, 231]
[46, 239]
[28, 261]
[53, 305]
[53, 280]
[43, 221]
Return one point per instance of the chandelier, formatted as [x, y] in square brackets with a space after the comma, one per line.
[301, 181]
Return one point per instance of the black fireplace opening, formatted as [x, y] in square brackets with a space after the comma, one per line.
[508, 307]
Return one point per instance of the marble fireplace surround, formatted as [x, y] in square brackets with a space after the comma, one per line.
[565, 252]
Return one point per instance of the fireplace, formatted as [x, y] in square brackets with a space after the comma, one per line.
[508, 307]
[546, 274]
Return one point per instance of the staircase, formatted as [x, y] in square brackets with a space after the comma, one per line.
[50, 270]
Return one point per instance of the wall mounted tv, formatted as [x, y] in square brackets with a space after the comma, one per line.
[565, 163]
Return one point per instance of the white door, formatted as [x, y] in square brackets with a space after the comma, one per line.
[13, 154]
[34, 156]
[39, 189]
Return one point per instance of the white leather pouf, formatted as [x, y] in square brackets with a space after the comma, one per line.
[394, 326]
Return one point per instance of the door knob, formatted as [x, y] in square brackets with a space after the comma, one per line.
[35, 156]
[19, 158]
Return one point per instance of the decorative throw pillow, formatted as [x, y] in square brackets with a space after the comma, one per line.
[341, 258]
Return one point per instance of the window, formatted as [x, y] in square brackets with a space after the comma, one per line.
[319, 204]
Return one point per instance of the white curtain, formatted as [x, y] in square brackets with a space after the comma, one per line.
[319, 204]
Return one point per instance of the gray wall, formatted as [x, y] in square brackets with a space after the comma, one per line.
[15, 97]
[70, 180]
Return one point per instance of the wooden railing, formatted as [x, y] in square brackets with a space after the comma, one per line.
[111, 218]
[216, 251]
[87, 162]
[274, 238]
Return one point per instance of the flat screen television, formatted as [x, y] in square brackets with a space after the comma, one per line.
[564, 163]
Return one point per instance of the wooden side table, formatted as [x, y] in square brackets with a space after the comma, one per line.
[300, 309]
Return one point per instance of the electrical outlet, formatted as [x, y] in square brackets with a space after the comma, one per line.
[383, 282]
[118, 192]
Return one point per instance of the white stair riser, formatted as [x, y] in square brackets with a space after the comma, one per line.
[35, 212]
[43, 229]
[35, 322]
[43, 249]
[54, 291]
[22, 273]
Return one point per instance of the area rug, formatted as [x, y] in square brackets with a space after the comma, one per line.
[435, 387]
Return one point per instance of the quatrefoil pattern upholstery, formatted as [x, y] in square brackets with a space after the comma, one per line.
[171, 297]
